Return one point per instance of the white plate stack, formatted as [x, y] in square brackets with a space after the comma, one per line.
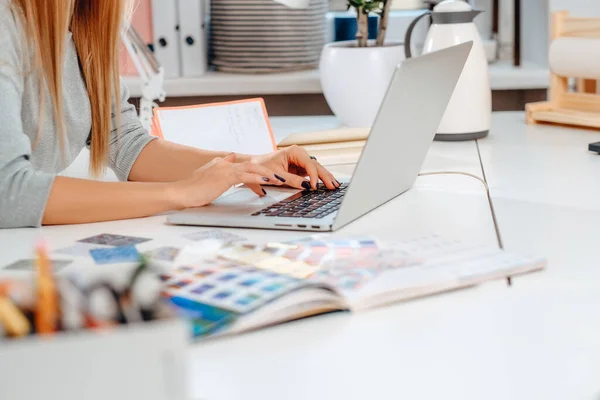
[262, 36]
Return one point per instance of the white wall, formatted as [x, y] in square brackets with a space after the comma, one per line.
[536, 23]
[579, 8]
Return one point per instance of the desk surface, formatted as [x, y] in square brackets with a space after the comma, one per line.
[538, 339]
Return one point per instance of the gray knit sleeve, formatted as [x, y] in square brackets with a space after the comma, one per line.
[24, 191]
[129, 140]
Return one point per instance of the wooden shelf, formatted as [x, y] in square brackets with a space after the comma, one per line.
[503, 76]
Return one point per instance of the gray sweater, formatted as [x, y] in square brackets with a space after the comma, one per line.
[28, 163]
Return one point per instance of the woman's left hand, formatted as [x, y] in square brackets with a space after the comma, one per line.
[293, 164]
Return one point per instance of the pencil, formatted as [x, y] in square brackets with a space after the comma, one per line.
[46, 315]
[12, 319]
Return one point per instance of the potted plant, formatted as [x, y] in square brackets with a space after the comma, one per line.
[355, 74]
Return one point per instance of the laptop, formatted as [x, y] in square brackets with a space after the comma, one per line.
[405, 126]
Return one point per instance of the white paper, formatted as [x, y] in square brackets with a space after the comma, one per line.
[240, 127]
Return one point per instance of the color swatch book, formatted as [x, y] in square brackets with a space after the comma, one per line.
[250, 286]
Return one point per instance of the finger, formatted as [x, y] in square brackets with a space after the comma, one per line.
[294, 181]
[230, 157]
[249, 179]
[327, 177]
[312, 172]
[299, 157]
[259, 190]
[268, 176]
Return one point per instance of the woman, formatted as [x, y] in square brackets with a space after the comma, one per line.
[58, 84]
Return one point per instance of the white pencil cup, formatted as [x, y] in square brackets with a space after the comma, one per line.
[143, 361]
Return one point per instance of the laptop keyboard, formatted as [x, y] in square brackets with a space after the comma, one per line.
[307, 204]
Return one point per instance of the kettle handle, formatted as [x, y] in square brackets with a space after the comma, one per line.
[409, 32]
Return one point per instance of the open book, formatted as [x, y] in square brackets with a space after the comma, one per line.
[252, 286]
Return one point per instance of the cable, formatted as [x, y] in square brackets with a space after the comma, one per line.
[489, 197]
[487, 191]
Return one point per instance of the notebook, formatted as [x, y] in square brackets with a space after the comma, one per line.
[244, 127]
[238, 126]
[251, 286]
[328, 137]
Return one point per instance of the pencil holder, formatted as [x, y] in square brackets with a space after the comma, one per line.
[140, 361]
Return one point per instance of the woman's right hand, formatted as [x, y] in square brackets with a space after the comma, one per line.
[215, 178]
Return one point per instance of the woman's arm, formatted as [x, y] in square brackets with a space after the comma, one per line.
[135, 156]
[77, 201]
[163, 161]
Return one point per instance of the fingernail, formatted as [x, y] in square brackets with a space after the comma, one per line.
[265, 179]
[335, 184]
[280, 178]
[265, 192]
[339, 184]
[306, 185]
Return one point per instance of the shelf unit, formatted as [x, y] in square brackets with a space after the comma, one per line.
[503, 76]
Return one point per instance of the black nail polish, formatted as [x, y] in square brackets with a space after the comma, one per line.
[339, 184]
[306, 185]
[334, 184]
[265, 192]
[280, 178]
[265, 179]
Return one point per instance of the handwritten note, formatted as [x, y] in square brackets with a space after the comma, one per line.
[241, 127]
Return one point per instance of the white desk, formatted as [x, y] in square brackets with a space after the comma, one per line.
[541, 164]
[539, 339]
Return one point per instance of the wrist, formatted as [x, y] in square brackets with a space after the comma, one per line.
[174, 195]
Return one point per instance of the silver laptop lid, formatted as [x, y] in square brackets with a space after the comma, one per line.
[406, 124]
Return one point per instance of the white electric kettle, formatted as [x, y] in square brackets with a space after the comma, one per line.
[469, 113]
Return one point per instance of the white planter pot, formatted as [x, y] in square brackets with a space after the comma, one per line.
[355, 79]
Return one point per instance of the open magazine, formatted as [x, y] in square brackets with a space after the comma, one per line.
[250, 286]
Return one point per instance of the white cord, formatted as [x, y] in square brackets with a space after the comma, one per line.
[487, 191]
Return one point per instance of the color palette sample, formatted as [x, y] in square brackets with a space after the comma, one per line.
[30, 265]
[377, 261]
[245, 277]
[114, 240]
[317, 251]
[166, 253]
[257, 257]
[237, 288]
[115, 255]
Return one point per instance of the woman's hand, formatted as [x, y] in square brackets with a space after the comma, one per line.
[215, 178]
[293, 164]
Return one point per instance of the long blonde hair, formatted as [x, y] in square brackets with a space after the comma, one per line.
[96, 26]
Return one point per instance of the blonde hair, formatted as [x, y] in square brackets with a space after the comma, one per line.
[95, 26]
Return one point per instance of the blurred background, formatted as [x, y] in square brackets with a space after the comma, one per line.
[218, 50]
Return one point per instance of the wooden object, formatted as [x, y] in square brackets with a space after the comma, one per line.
[580, 107]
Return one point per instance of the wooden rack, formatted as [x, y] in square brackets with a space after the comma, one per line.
[580, 107]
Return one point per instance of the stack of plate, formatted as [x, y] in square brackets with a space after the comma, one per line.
[264, 36]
